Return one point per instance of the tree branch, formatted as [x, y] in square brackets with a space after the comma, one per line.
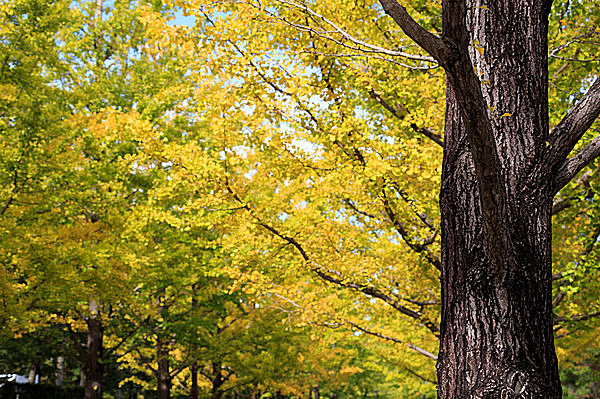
[327, 276]
[382, 336]
[560, 319]
[363, 46]
[429, 42]
[569, 168]
[465, 87]
[412, 244]
[571, 128]
[561, 203]
[430, 134]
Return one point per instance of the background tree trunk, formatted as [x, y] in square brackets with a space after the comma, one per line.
[217, 381]
[60, 370]
[33, 372]
[93, 366]
[496, 328]
[163, 373]
[194, 389]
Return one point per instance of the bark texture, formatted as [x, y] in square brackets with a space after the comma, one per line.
[496, 330]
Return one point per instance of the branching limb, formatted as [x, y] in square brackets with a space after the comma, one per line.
[451, 52]
[412, 244]
[572, 166]
[569, 131]
[465, 87]
[429, 42]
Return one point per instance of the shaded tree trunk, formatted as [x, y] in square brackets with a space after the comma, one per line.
[163, 376]
[194, 389]
[496, 330]
[217, 381]
[93, 364]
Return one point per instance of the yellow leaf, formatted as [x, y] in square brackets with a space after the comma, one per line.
[480, 49]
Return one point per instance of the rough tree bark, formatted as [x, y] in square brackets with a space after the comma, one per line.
[502, 167]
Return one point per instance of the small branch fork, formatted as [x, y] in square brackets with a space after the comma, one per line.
[430, 134]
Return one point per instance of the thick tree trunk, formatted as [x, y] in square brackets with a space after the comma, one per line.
[496, 329]
[93, 365]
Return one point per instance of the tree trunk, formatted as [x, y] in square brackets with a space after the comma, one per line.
[496, 329]
[217, 381]
[33, 372]
[194, 389]
[93, 365]
[162, 373]
[60, 370]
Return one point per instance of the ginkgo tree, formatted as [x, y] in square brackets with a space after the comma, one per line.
[330, 121]
[306, 172]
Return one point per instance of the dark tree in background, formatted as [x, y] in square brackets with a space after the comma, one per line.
[502, 167]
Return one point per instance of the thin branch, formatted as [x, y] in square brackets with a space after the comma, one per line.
[562, 203]
[325, 274]
[364, 46]
[581, 317]
[419, 376]
[415, 246]
[572, 166]
[13, 193]
[382, 336]
[371, 56]
[430, 134]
